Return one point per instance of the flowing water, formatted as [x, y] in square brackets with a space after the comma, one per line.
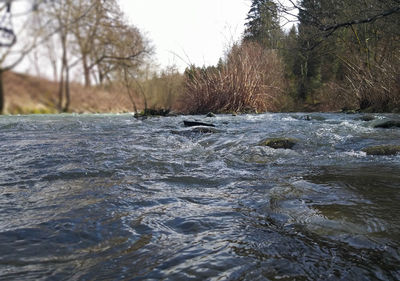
[109, 197]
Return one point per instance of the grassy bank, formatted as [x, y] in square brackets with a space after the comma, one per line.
[25, 94]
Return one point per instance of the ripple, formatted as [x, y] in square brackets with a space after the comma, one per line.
[110, 197]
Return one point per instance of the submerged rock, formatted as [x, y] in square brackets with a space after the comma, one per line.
[347, 110]
[150, 112]
[204, 130]
[388, 124]
[382, 150]
[196, 123]
[279, 143]
[196, 130]
[367, 118]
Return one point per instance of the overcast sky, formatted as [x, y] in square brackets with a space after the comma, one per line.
[188, 31]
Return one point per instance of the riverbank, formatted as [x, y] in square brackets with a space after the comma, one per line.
[25, 94]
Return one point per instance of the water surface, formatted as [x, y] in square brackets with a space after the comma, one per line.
[109, 197]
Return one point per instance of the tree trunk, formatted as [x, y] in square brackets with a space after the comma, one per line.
[1, 92]
[63, 68]
[86, 72]
[101, 77]
[61, 89]
[67, 89]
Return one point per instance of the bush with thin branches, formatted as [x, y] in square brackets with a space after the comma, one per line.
[249, 80]
[377, 87]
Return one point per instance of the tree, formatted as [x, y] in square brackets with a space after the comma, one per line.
[93, 34]
[262, 24]
[331, 16]
[12, 54]
[121, 45]
[352, 43]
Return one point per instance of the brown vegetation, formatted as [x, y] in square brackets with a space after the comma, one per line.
[377, 86]
[26, 94]
[250, 80]
[345, 59]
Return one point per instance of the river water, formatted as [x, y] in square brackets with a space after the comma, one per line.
[109, 197]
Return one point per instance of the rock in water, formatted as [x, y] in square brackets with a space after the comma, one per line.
[204, 130]
[191, 132]
[388, 124]
[210, 114]
[279, 143]
[195, 123]
[382, 150]
[367, 118]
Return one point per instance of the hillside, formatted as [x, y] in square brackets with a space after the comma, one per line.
[26, 94]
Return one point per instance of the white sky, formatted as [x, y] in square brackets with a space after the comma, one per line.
[188, 31]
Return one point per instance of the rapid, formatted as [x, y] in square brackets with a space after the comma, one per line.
[110, 197]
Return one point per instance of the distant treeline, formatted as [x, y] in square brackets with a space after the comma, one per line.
[338, 54]
[309, 55]
[89, 41]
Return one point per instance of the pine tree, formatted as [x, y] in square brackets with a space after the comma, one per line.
[262, 24]
[308, 64]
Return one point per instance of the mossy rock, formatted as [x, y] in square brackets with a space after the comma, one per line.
[382, 150]
[388, 124]
[279, 143]
[349, 111]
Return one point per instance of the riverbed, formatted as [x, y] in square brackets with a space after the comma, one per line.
[110, 197]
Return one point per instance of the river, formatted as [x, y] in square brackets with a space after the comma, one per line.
[109, 197]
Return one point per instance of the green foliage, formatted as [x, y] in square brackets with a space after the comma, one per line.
[262, 24]
[345, 53]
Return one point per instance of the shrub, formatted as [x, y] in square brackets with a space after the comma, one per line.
[376, 87]
[250, 80]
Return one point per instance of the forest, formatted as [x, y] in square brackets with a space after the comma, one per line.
[306, 55]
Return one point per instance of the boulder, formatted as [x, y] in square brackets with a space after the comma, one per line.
[279, 143]
[210, 114]
[382, 150]
[388, 124]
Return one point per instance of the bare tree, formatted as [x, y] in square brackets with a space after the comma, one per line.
[13, 54]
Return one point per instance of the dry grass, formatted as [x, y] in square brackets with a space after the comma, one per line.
[251, 80]
[25, 94]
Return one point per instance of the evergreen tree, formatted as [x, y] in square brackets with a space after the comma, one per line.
[314, 49]
[290, 53]
[262, 24]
